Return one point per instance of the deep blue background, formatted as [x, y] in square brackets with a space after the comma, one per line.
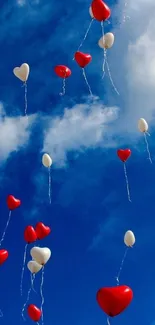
[90, 212]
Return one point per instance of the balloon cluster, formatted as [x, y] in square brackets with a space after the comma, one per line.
[101, 12]
[98, 11]
[40, 256]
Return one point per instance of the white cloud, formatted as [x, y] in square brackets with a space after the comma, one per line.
[14, 132]
[79, 128]
[140, 59]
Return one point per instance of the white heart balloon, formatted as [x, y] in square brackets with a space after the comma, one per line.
[142, 125]
[40, 254]
[46, 160]
[34, 267]
[106, 41]
[22, 72]
[129, 238]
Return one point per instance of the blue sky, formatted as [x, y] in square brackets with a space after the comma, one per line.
[90, 212]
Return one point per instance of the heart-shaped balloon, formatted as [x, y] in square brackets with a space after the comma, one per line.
[30, 235]
[34, 267]
[100, 10]
[22, 72]
[12, 202]
[34, 313]
[124, 154]
[62, 71]
[82, 59]
[3, 255]
[40, 254]
[114, 300]
[41, 230]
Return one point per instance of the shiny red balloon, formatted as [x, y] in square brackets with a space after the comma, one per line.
[100, 10]
[124, 154]
[41, 230]
[114, 300]
[30, 235]
[82, 59]
[3, 255]
[34, 313]
[12, 202]
[62, 71]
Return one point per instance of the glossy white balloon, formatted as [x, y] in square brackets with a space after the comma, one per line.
[34, 267]
[40, 254]
[129, 238]
[46, 160]
[22, 72]
[142, 125]
[90, 12]
[106, 41]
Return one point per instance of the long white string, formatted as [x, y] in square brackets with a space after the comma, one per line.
[5, 229]
[147, 147]
[125, 17]
[110, 77]
[84, 74]
[104, 50]
[1, 313]
[49, 184]
[23, 268]
[41, 293]
[108, 321]
[121, 266]
[63, 87]
[28, 297]
[25, 86]
[127, 183]
[32, 282]
[85, 36]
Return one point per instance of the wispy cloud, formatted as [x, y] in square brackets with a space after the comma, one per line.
[81, 127]
[14, 132]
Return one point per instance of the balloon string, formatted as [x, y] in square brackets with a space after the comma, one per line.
[84, 74]
[105, 53]
[86, 34]
[108, 321]
[147, 147]
[110, 77]
[23, 268]
[125, 17]
[41, 293]
[7, 224]
[1, 313]
[63, 88]
[127, 183]
[25, 85]
[49, 184]
[121, 266]
[28, 297]
[32, 282]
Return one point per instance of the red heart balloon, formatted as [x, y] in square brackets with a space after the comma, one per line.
[82, 59]
[124, 154]
[41, 230]
[114, 300]
[34, 312]
[62, 71]
[100, 10]
[12, 202]
[30, 235]
[3, 256]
